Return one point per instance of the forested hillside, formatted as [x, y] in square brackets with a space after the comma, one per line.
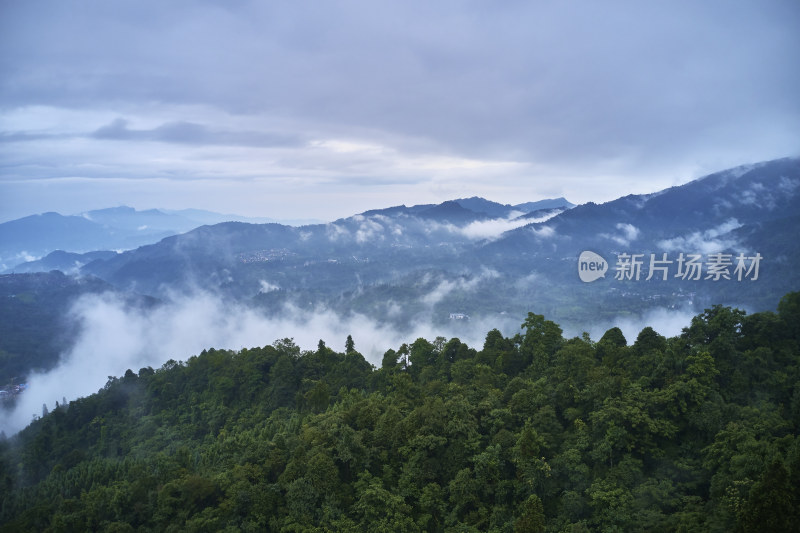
[530, 433]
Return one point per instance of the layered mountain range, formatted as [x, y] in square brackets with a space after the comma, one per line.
[115, 228]
[728, 238]
[525, 256]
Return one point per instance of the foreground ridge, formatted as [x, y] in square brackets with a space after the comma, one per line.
[533, 432]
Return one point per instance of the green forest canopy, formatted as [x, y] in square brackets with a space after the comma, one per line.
[534, 432]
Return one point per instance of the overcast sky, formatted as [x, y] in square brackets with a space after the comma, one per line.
[324, 109]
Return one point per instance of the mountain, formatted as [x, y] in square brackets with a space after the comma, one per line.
[726, 211]
[496, 210]
[743, 195]
[554, 203]
[484, 266]
[746, 210]
[200, 217]
[32, 237]
[66, 262]
[404, 266]
[446, 212]
[27, 239]
[487, 207]
[451, 212]
[128, 219]
[376, 243]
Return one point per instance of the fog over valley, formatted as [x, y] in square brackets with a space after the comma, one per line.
[114, 337]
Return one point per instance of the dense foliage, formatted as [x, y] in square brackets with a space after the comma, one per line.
[531, 433]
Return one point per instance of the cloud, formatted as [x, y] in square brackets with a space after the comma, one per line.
[335, 231]
[418, 101]
[712, 240]
[627, 233]
[491, 229]
[459, 283]
[544, 232]
[494, 228]
[368, 230]
[115, 337]
[265, 287]
[630, 231]
[527, 282]
[757, 195]
[764, 197]
[183, 132]
[750, 196]
[787, 185]
[402, 229]
[12, 260]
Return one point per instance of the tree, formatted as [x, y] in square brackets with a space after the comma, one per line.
[379, 510]
[647, 352]
[349, 345]
[283, 381]
[318, 396]
[610, 349]
[389, 360]
[532, 519]
[422, 354]
[771, 505]
[789, 311]
[541, 341]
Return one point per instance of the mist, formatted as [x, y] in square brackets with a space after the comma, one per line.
[667, 322]
[114, 337]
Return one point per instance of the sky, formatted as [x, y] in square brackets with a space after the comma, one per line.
[298, 109]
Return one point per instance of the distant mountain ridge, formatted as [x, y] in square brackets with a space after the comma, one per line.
[24, 242]
[351, 261]
[66, 262]
[387, 259]
[494, 209]
[425, 263]
[478, 208]
[115, 228]
[439, 229]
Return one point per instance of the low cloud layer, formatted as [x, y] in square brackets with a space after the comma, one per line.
[712, 240]
[406, 229]
[494, 228]
[447, 286]
[626, 233]
[115, 337]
